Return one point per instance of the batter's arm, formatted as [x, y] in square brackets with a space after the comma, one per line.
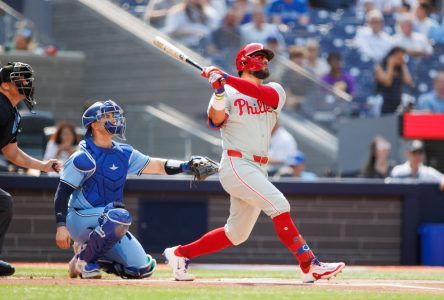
[217, 117]
[264, 93]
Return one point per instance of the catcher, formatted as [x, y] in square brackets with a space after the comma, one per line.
[89, 205]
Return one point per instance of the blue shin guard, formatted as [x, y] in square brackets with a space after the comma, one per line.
[113, 225]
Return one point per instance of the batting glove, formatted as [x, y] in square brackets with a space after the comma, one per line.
[217, 81]
[207, 70]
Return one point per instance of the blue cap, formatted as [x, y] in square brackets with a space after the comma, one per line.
[296, 159]
[272, 39]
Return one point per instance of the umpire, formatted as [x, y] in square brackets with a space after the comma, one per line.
[16, 85]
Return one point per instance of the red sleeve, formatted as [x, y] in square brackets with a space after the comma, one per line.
[264, 93]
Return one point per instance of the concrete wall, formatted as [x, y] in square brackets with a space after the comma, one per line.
[59, 82]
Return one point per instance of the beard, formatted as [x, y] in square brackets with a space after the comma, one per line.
[262, 74]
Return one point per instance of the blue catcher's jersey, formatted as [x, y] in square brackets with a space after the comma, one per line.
[99, 174]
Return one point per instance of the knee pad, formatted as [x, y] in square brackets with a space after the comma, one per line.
[113, 225]
[129, 272]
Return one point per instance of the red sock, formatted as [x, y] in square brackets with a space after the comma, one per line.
[289, 235]
[212, 241]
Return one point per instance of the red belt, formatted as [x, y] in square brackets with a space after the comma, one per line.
[256, 158]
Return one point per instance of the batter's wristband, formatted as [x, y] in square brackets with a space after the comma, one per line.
[218, 104]
[219, 91]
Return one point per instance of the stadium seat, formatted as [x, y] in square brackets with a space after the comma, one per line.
[32, 137]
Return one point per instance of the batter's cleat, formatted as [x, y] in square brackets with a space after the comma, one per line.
[91, 271]
[178, 264]
[6, 269]
[72, 271]
[319, 270]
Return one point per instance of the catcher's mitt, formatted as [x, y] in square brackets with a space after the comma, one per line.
[202, 167]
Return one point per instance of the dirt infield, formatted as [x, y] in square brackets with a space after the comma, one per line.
[405, 286]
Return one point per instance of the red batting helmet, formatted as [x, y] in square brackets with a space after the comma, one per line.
[244, 61]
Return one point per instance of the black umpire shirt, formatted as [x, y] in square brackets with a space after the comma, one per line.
[9, 122]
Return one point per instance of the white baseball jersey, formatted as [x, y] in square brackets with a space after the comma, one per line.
[249, 124]
[247, 129]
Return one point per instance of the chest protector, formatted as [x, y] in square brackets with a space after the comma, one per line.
[106, 184]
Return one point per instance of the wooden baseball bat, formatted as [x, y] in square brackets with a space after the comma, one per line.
[174, 52]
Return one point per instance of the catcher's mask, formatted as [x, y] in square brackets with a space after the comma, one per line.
[22, 75]
[115, 122]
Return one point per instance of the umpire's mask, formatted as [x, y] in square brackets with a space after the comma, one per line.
[22, 75]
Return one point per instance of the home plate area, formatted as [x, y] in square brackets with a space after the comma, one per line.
[336, 283]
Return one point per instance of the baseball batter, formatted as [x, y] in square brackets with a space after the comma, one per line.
[245, 110]
[89, 199]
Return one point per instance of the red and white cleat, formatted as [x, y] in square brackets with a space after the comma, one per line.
[178, 264]
[319, 270]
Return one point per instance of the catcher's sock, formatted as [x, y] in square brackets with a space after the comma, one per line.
[289, 235]
[210, 242]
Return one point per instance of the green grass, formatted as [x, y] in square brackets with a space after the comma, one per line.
[31, 292]
[179, 291]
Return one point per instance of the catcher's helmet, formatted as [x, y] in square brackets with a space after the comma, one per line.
[244, 60]
[99, 110]
[22, 75]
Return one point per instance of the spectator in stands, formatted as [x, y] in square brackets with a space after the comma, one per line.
[391, 76]
[62, 143]
[314, 63]
[156, 12]
[422, 22]
[405, 8]
[289, 12]
[436, 34]
[272, 43]
[415, 43]
[226, 41]
[378, 164]
[245, 10]
[257, 31]
[385, 6]
[295, 167]
[434, 101]
[296, 86]
[371, 40]
[414, 168]
[22, 41]
[337, 77]
[191, 23]
[282, 146]
[276, 69]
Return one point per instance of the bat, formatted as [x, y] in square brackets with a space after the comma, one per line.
[174, 52]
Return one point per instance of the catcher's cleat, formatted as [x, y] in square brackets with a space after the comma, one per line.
[87, 270]
[178, 264]
[319, 270]
[72, 271]
[91, 271]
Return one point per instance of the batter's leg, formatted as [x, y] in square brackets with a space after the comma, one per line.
[239, 225]
[251, 184]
